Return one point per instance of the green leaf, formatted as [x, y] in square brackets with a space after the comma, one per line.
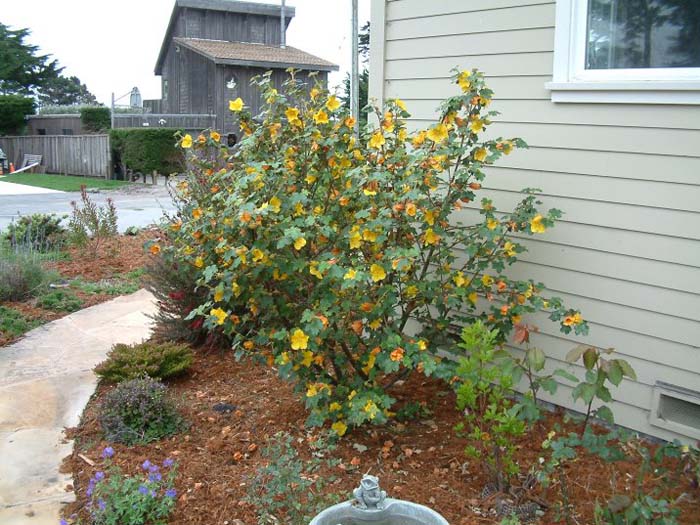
[590, 356]
[566, 375]
[605, 414]
[614, 373]
[575, 354]
[536, 358]
[627, 369]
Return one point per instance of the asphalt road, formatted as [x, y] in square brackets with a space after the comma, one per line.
[139, 206]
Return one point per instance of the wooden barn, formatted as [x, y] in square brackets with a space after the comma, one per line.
[211, 50]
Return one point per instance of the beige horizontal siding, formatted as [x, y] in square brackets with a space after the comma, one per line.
[627, 177]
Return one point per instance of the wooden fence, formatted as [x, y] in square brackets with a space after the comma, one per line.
[87, 155]
[193, 122]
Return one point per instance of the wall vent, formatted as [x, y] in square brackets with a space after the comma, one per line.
[676, 409]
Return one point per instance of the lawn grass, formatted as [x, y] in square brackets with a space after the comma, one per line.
[62, 182]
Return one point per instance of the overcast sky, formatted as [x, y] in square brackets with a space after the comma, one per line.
[113, 46]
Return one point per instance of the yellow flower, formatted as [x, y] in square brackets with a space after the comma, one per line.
[422, 345]
[299, 243]
[369, 235]
[431, 237]
[155, 249]
[235, 105]
[492, 224]
[314, 93]
[419, 139]
[355, 239]
[333, 103]
[321, 117]
[377, 273]
[472, 297]
[313, 270]
[220, 315]
[509, 249]
[350, 122]
[463, 81]
[487, 280]
[275, 204]
[411, 209]
[292, 114]
[536, 225]
[339, 428]
[308, 358]
[311, 391]
[401, 104]
[196, 213]
[377, 140]
[371, 360]
[235, 288]
[218, 294]
[258, 255]
[334, 406]
[375, 324]
[572, 320]
[199, 262]
[371, 409]
[438, 133]
[411, 291]
[215, 136]
[459, 279]
[476, 125]
[480, 155]
[186, 141]
[430, 217]
[300, 341]
[350, 274]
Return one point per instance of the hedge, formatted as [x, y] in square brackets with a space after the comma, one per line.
[145, 150]
[95, 118]
[13, 109]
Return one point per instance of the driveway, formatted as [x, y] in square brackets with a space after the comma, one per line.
[136, 205]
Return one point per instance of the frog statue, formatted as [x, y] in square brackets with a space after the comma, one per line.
[368, 494]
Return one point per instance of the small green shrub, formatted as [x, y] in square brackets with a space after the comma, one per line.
[138, 411]
[13, 109]
[60, 301]
[95, 118]
[40, 231]
[146, 150]
[491, 419]
[13, 323]
[90, 223]
[155, 360]
[145, 498]
[288, 490]
[21, 276]
[174, 285]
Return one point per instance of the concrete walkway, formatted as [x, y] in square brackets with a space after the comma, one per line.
[10, 188]
[46, 380]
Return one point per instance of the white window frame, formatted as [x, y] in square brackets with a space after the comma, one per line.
[572, 82]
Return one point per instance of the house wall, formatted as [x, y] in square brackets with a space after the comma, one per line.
[627, 251]
[68, 124]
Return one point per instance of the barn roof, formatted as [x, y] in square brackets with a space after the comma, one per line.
[229, 6]
[257, 55]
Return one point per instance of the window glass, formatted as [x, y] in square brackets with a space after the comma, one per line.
[631, 34]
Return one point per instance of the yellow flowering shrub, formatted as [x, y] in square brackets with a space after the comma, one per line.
[338, 260]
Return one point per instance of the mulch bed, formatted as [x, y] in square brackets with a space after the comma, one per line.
[114, 257]
[421, 461]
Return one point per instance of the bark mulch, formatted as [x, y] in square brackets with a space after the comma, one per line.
[420, 460]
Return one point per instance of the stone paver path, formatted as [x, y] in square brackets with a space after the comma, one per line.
[46, 380]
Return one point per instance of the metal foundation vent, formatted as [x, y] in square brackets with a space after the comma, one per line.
[677, 409]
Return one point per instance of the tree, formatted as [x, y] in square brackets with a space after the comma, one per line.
[22, 71]
[363, 48]
[64, 91]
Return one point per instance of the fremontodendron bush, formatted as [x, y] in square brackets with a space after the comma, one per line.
[138, 411]
[346, 261]
[155, 360]
[148, 497]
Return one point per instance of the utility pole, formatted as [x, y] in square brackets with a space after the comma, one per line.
[283, 38]
[355, 73]
[111, 113]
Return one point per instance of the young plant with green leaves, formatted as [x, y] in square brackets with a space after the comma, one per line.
[600, 372]
[491, 419]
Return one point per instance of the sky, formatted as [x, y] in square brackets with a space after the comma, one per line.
[112, 46]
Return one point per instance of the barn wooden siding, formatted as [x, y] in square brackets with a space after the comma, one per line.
[627, 251]
[87, 155]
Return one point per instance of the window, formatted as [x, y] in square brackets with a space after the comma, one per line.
[67, 131]
[627, 51]
[41, 131]
[677, 409]
[165, 89]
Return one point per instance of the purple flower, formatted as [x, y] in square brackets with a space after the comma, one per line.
[62, 522]
[143, 490]
[170, 493]
[99, 476]
[168, 463]
[102, 504]
[153, 493]
[108, 452]
[155, 476]
[88, 492]
[146, 465]
[153, 468]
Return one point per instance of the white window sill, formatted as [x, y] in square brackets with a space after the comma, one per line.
[629, 92]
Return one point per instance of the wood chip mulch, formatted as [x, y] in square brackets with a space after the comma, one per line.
[421, 461]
